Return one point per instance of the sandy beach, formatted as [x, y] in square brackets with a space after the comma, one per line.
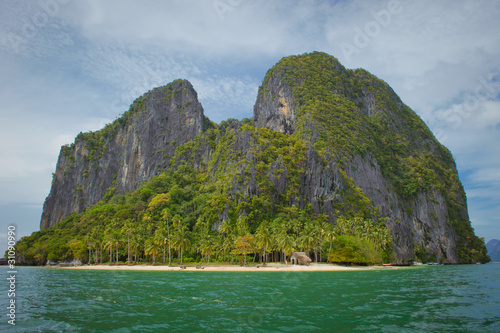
[272, 267]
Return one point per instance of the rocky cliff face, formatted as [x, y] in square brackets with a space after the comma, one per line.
[339, 140]
[418, 222]
[493, 247]
[275, 106]
[126, 153]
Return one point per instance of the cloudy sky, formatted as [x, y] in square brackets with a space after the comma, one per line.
[69, 66]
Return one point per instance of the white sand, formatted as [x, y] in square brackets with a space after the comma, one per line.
[272, 267]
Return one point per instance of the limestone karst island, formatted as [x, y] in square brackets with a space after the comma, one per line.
[333, 167]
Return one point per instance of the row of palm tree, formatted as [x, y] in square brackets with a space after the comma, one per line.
[377, 234]
[276, 239]
[151, 238]
[160, 234]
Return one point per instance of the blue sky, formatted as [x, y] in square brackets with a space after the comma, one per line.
[69, 66]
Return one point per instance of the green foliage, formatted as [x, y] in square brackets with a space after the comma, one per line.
[354, 250]
[159, 201]
[389, 131]
[422, 255]
[470, 248]
[67, 151]
[232, 192]
[333, 113]
[361, 241]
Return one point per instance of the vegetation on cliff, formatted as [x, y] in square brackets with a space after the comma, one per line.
[174, 217]
[353, 112]
[333, 99]
[236, 189]
[185, 205]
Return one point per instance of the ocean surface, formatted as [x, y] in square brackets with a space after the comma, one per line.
[428, 299]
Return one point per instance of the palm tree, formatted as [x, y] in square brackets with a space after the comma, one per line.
[135, 245]
[358, 229]
[263, 239]
[296, 226]
[368, 225]
[308, 238]
[286, 243]
[341, 226]
[387, 240]
[112, 239]
[242, 225]
[218, 246]
[280, 241]
[94, 241]
[147, 218]
[225, 227]
[330, 235]
[108, 242]
[89, 240]
[161, 236]
[206, 245]
[227, 245]
[180, 240]
[165, 213]
[116, 238]
[176, 221]
[152, 248]
[320, 227]
[382, 238]
[99, 233]
[128, 229]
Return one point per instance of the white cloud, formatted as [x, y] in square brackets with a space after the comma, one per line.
[475, 116]
[429, 52]
[248, 29]
[489, 176]
[226, 97]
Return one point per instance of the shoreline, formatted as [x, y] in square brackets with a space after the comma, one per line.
[272, 267]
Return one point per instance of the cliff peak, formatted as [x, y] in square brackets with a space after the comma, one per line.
[279, 99]
[126, 153]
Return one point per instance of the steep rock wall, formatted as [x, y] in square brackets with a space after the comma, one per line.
[417, 223]
[126, 153]
[275, 106]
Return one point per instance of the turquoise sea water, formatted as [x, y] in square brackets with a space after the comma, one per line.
[428, 299]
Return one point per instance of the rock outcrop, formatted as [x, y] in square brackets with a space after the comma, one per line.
[347, 146]
[493, 247]
[275, 106]
[126, 153]
[418, 222]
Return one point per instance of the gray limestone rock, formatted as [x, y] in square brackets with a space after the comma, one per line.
[126, 155]
[142, 143]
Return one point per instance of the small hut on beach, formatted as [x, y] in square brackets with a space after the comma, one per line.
[300, 258]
